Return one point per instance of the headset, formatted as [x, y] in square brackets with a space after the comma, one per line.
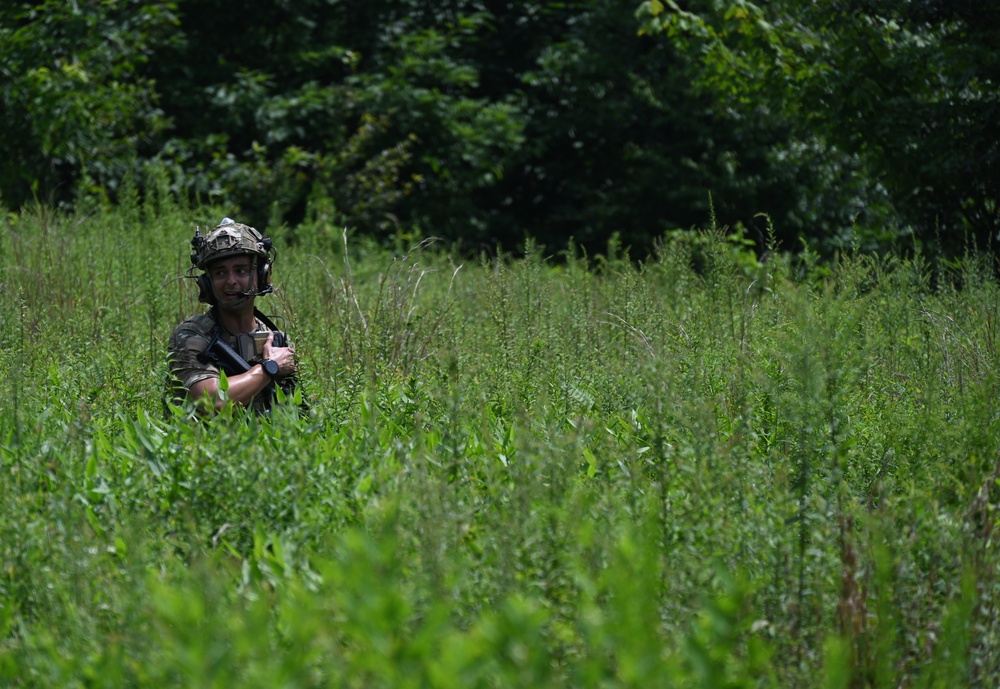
[263, 267]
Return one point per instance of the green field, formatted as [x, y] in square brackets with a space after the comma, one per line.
[696, 470]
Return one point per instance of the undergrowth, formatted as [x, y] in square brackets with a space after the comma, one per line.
[702, 469]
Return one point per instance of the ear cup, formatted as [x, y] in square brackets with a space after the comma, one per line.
[205, 295]
[263, 275]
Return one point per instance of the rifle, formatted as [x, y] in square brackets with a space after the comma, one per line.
[224, 357]
[227, 359]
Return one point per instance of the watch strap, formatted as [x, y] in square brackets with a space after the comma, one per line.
[270, 367]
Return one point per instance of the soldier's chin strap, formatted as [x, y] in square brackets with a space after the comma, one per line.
[256, 292]
[237, 302]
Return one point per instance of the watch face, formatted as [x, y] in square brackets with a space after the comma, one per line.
[271, 367]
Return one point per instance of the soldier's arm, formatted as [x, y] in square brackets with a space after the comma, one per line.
[243, 387]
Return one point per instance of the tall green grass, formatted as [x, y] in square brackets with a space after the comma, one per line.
[696, 470]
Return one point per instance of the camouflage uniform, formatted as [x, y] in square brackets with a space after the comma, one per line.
[188, 366]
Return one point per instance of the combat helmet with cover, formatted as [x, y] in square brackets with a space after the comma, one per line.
[230, 238]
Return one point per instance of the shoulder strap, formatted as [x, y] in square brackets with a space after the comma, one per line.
[280, 337]
[213, 313]
[265, 320]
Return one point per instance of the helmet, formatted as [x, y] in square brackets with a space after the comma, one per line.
[229, 238]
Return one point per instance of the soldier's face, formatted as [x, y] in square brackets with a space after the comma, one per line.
[231, 279]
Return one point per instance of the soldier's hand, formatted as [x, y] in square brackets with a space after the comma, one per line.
[283, 356]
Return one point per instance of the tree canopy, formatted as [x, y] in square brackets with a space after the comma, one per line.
[907, 89]
[849, 123]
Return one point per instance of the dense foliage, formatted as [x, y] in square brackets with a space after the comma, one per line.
[702, 470]
[488, 121]
[909, 89]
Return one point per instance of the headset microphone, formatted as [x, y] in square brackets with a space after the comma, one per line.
[257, 292]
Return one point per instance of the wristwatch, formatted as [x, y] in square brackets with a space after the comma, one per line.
[270, 367]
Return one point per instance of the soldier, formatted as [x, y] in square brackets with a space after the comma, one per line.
[232, 335]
